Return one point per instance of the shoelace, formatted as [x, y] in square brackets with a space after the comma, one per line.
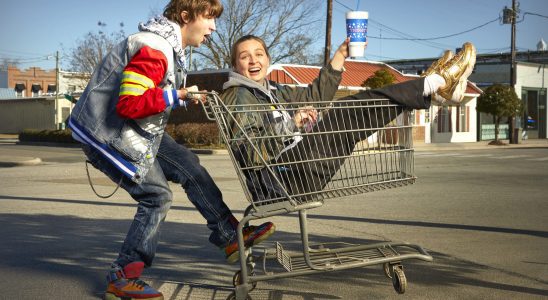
[138, 283]
[454, 59]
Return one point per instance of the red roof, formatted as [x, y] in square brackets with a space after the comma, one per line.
[358, 71]
[282, 77]
[471, 88]
[354, 76]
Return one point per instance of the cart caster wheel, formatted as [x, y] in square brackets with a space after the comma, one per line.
[236, 280]
[386, 269]
[232, 296]
[398, 279]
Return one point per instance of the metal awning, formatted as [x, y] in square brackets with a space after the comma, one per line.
[19, 87]
[36, 87]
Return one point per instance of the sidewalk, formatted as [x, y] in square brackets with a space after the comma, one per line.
[12, 161]
[482, 145]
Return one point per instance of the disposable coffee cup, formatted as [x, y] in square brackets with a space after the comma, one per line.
[356, 30]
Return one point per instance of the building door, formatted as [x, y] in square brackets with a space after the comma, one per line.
[534, 117]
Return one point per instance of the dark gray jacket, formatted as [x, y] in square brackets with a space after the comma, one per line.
[240, 90]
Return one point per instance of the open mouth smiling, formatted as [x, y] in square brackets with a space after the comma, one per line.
[254, 71]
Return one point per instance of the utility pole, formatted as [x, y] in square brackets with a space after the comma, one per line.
[513, 46]
[327, 53]
[509, 17]
[56, 105]
[513, 139]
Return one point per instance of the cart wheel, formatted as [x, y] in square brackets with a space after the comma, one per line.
[386, 269]
[398, 280]
[236, 280]
[232, 296]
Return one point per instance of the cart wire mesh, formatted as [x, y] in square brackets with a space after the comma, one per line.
[353, 147]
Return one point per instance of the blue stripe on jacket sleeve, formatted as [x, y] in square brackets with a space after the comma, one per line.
[170, 97]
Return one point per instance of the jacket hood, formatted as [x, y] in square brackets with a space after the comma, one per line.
[170, 31]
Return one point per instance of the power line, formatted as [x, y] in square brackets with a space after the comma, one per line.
[406, 36]
[343, 5]
[22, 52]
[402, 36]
[433, 38]
[534, 14]
[381, 56]
[439, 37]
[21, 59]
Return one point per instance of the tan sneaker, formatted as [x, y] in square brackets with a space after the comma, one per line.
[456, 72]
[436, 66]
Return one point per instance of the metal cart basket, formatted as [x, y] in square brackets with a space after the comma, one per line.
[353, 147]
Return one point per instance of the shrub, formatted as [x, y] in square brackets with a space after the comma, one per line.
[53, 136]
[381, 78]
[195, 134]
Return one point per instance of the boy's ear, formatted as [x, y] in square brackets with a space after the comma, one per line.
[185, 17]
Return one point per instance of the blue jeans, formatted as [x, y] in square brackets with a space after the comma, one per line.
[177, 164]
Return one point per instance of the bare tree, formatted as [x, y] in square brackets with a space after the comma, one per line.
[89, 50]
[6, 62]
[289, 28]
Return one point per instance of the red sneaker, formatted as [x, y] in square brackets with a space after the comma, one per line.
[125, 284]
[253, 235]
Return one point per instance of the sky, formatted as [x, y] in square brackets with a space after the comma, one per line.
[33, 30]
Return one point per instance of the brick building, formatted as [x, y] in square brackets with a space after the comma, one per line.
[28, 98]
[32, 82]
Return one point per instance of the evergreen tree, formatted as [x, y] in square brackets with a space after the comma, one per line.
[500, 101]
[381, 78]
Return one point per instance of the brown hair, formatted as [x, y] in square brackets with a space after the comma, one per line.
[234, 58]
[195, 8]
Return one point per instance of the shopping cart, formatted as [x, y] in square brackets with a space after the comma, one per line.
[354, 147]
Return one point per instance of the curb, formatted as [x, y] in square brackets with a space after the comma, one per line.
[477, 147]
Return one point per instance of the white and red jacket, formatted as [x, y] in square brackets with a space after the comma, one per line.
[123, 111]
